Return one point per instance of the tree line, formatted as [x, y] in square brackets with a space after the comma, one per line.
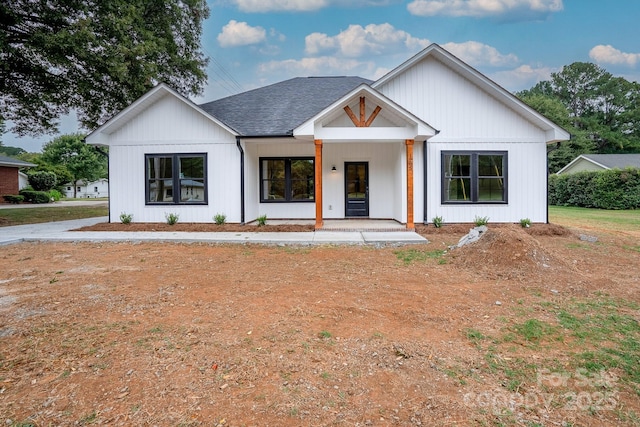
[65, 159]
[601, 111]
[95, 57]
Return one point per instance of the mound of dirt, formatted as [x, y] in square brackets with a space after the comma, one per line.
[548, 230]
[507, 252]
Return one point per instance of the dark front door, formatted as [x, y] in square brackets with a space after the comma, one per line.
[356, 188]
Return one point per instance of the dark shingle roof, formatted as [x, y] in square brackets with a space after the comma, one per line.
[10, 161]
[612, 161]
[277, 109]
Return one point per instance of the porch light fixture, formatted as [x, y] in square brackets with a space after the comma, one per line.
[333, 169]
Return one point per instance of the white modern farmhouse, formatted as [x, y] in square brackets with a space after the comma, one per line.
[434, 137]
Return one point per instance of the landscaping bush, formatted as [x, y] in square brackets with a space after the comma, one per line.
[55, 195]
[42, 180]
[617, 189]
[32, 196]
[611, 189]
[126, 218]
[13, 198]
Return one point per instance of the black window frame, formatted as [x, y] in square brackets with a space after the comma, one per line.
[288, 181]
[475, 177]
[175, 172]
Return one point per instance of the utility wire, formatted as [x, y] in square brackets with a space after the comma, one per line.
[225, 78]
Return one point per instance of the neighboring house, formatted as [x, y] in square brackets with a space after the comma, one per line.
[601, 162]
[10, 180]
[434, 137]
[93, 189]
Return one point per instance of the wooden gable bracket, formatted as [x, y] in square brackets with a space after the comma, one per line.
[362, 122]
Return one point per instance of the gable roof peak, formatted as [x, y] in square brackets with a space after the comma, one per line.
[554, 132]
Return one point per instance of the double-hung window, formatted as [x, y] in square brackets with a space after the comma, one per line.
[176, 179]
[474, 177]
[287, 179]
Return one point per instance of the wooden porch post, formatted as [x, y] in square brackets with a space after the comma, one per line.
[409, 144]
[318, 186]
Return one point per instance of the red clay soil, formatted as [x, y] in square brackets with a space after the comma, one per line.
[249, 335]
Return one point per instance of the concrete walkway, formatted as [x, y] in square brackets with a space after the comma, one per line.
[60, 232]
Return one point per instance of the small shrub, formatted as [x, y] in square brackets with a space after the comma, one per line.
[219, 218]
[13, 198]
[481, 220]
[32, 196]
[437, 221]
[525, 222]
[126, 218]
[262, 220]
[172, 218]
[55, 195]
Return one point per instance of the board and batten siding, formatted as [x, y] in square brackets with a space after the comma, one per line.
[470, 119]
[459, 109]
[527, 190]
[173, 127]
[387, 178]
[273, 148]
[385, 183]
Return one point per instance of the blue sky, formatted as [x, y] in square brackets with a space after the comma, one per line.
[517, 43]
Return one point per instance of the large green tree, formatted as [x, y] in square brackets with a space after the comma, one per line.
[602, 112]
[94, 57]
[81, 161]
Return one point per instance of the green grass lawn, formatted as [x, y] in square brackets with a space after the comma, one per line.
[628, 220]
[37, 215]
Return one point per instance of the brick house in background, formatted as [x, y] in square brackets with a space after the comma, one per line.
[9, 175]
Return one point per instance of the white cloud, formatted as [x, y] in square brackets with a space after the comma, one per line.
[523, 77]
[476, 54]
[240, 34]
[273, 33]
[319, 66]
[483, 8]
[610, 55]
[260, 6]
[356, 41]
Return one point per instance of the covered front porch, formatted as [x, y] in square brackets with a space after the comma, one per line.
[364, 161]
[357, 181]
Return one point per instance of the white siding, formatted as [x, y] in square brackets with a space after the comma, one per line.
[169, 120]
[171, 126]
[386, 188]
[468, 118]
[387, 185]
[23, 180]
[526, 185]
[460, 110]
[275, 148]
[94, 189]
[128, 189]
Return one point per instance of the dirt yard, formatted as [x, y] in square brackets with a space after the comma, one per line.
[525, 327]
